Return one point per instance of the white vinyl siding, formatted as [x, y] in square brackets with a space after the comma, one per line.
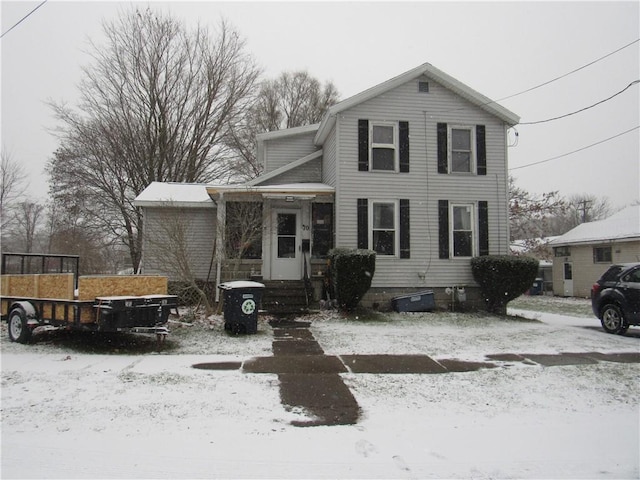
[282, 151]
[422, 186]
[199, 227]
[309, 172]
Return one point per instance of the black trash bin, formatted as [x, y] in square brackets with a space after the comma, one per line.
[241, 300]
[536, 288]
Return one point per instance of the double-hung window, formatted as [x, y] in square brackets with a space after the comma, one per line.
[462, 230]
[384, 228]
[461, 152]
[462, 149]
[384, 146]
[601, 254]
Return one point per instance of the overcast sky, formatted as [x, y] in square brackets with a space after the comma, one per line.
[498, 49]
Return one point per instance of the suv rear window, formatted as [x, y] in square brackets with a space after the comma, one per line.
[611, 274]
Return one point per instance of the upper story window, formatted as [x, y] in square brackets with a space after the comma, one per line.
[564, 251]
[461, 152]
[384, 141]
[462, 149]
[383, 146]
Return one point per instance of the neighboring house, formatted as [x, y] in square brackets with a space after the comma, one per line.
[582, 254]
[538, 248]
[414, 168]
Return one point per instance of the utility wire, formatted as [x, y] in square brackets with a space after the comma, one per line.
[569, 73]
[23, 18]
[635, 82]
[575, 151]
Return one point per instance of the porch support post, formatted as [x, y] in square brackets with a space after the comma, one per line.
[220, 234]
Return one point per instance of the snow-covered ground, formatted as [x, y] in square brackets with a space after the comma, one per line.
[74, 412]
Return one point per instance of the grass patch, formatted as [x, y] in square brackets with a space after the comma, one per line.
[575, 307]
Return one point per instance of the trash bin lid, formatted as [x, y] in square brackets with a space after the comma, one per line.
[240, 284]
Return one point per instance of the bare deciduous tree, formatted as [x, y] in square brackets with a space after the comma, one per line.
[243, 232]
[531, 216]
[28, 221]
[13, 185]
[292, 100]
[169, 249]
[156, 104]
[581, 208]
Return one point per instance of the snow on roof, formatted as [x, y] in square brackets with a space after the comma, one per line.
[177, 194]
[288, 188]
[624, 225]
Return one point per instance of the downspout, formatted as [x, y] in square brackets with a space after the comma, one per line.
[220, 230]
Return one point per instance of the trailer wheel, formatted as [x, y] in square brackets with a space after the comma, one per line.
[19, 331]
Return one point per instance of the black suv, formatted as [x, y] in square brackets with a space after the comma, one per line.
[615, 298]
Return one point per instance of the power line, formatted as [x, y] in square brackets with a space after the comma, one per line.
[568, 73]
[635, 82]
[575, 151]
[23, 18]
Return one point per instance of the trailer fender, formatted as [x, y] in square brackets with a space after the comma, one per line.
[28, 309]
[21, 323]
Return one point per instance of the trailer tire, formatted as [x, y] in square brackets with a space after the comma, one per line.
[19, 330]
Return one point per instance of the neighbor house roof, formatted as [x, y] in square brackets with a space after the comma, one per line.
[429, 71]
[622, 226]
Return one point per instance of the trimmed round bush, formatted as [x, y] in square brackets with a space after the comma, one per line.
[351, 273]
[503, 278]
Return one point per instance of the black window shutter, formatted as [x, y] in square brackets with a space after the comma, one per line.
[363, 223]
[405, 247]
[483, 228]
[442, 148]
[481, 150]
[363, 145]
[443, 228]
[404, 146]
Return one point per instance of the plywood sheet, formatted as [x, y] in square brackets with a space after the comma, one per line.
[56, 286]
[90, 287]
[20, 285]
[50, 285]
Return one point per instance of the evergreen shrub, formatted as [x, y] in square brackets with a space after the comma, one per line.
[350, 275]
[503, 278]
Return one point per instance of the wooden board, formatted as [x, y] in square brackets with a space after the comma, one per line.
[48, 285]
[90, 287]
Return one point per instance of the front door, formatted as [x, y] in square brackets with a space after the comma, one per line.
[568, 279]
[286, 263]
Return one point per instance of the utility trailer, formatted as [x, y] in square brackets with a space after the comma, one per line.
[57, 296]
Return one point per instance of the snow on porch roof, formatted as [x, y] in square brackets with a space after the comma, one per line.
[624, 225]
[294, 189]
[176, 194]
[200, 195]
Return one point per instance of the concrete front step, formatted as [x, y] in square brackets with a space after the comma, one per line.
[285, 297]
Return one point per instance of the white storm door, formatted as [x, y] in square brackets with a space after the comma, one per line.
[286, 263]
[567, 279]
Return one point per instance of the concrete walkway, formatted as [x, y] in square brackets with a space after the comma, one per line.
[311, 380]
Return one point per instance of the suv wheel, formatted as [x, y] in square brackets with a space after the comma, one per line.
[612, 320]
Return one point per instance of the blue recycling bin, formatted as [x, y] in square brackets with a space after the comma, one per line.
[241, 302]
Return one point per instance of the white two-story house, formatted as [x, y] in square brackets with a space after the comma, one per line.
[414, 168]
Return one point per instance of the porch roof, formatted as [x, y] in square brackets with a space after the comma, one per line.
[284, 190]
